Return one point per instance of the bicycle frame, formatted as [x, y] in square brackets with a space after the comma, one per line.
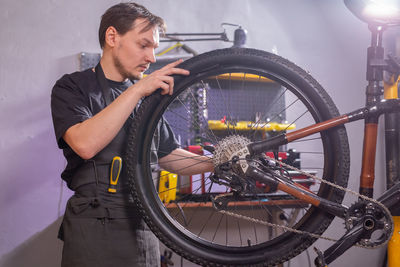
[369, 113]
[375, 106]
[251, 177]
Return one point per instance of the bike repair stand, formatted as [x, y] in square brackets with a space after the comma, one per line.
[375, 67]
[392, 149]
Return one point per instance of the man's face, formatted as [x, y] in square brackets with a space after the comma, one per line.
[134, 51]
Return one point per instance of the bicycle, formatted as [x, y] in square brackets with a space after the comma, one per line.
[269, 149]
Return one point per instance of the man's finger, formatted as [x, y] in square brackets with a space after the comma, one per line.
[164, 88]
[173, 64]
[177, 71]
[170, 82]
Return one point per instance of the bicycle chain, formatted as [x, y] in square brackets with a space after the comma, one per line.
[385, 209]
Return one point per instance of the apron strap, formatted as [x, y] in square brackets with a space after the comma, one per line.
[101, 78]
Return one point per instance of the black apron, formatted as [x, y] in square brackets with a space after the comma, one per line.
[100, 228]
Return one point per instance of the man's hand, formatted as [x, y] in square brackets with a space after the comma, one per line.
[160, 79]
[91, 136]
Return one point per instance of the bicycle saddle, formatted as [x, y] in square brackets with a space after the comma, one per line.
[377, 12]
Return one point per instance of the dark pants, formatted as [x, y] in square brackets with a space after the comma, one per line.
[106, 242]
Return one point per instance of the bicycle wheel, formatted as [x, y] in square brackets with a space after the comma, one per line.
[250, 95]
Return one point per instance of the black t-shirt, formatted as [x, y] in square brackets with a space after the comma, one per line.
[77, 97]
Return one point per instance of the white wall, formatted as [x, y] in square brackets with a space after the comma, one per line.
[40, 41]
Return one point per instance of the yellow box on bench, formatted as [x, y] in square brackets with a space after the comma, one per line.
[167, 186]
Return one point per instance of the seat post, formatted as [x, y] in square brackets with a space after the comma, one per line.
[375, 65]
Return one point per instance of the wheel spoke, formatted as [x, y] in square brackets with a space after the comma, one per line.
[246, 97]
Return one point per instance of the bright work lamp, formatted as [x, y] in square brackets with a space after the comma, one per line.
[376, 11]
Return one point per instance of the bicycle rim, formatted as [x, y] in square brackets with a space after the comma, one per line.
[248, 94]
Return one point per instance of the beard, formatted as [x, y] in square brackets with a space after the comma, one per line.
[124, 72]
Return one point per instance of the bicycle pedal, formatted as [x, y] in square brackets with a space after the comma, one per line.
[320, 259]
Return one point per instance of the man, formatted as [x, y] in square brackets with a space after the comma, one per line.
[91, 114]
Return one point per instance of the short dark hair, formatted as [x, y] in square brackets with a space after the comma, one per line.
[122, 17]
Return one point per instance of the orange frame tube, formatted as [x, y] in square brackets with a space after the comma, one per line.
[368, 159]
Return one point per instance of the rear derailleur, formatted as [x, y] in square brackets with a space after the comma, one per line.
[368, 223]
[229, 175]
[244, 187]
